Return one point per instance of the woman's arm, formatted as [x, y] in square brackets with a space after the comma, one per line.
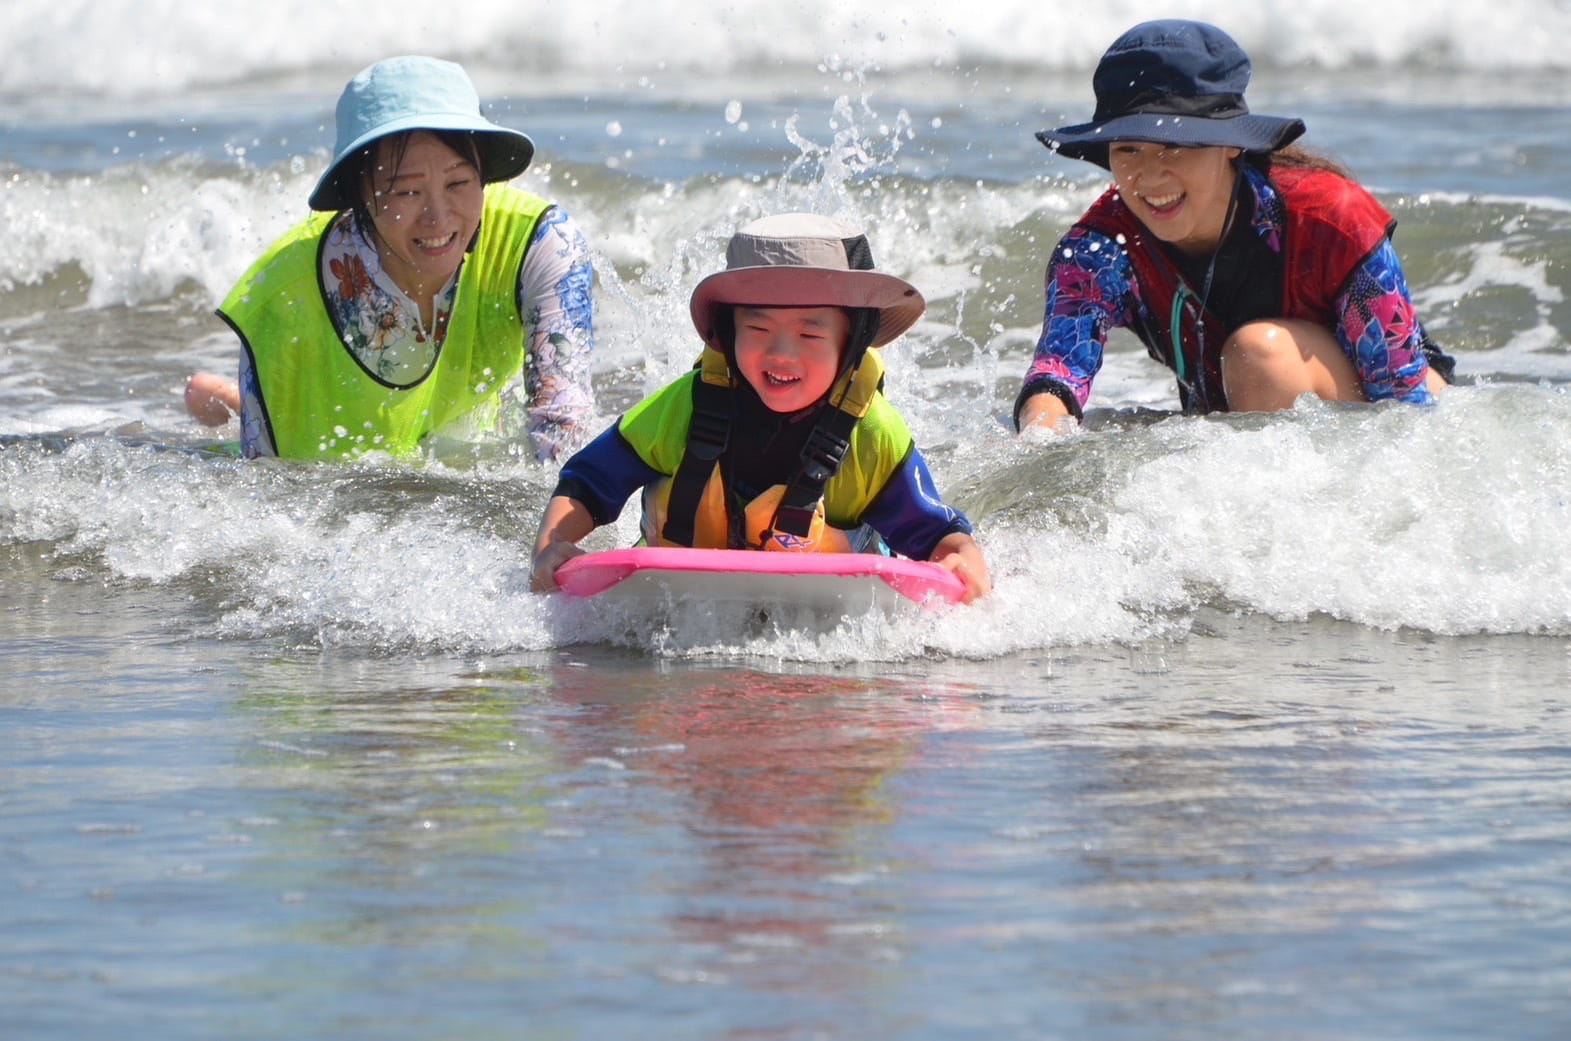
[1043, 409]
[1087, 287]
[1378, 327]
[256, 438]
[555, 297]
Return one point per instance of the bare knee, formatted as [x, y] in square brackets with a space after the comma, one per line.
[1267, 365]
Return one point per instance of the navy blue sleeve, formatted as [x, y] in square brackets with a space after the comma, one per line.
[603, 474]
[910, 514]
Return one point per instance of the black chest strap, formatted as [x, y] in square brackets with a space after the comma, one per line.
[827, 444]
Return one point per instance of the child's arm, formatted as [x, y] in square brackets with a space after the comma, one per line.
[909, 514]
[592, 489]
[958, 552]
[566, 520]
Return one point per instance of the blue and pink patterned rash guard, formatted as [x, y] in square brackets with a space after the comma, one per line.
[1091, 289]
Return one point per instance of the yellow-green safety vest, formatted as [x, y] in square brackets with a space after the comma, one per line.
[320, 402]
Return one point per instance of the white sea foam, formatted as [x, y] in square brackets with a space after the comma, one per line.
[162, 47]
[1445, 521]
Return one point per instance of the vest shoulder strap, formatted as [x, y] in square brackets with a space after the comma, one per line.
[849, 399]
[708, 434]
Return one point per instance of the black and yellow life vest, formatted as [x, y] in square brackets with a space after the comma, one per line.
[798, 516]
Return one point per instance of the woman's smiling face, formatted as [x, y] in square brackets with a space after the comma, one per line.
[1180, 193]
[790, 355]
[426, 211]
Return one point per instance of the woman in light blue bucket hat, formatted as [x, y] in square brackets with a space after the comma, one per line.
[424, 295]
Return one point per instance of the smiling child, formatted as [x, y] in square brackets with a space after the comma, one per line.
[781, 438]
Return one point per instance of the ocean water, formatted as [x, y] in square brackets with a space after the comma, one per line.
[1263, 733]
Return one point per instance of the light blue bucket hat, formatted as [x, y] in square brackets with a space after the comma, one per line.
[412, 92]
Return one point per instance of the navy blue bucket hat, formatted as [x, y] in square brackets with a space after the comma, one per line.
[1172, 82]
[413, 92]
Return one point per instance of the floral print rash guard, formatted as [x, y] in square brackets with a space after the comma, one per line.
[1091, 290]
[551, 401]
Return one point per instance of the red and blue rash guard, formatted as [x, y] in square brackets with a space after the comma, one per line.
[1343, 273]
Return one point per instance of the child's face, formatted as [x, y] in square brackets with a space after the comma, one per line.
[790, 355]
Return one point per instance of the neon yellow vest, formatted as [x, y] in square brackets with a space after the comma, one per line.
[656, 428]
[320, 402]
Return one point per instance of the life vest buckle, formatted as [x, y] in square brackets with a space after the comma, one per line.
[822, 454]
[795, 520]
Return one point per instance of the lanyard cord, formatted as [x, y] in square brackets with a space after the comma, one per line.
[1175, 331]
[1184, 295]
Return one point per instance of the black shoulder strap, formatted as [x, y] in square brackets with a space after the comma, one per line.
[828, 443]
[707, 437]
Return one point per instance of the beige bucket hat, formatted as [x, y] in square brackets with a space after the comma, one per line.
[805, 260]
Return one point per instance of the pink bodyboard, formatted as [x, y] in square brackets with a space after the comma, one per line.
[816, 579]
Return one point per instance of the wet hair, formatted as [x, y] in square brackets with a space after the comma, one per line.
[355, 176]
[1300, 158]
[1294, 155]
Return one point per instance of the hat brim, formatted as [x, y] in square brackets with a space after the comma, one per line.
[1251, 133]
[504, 153]
[898, 301]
